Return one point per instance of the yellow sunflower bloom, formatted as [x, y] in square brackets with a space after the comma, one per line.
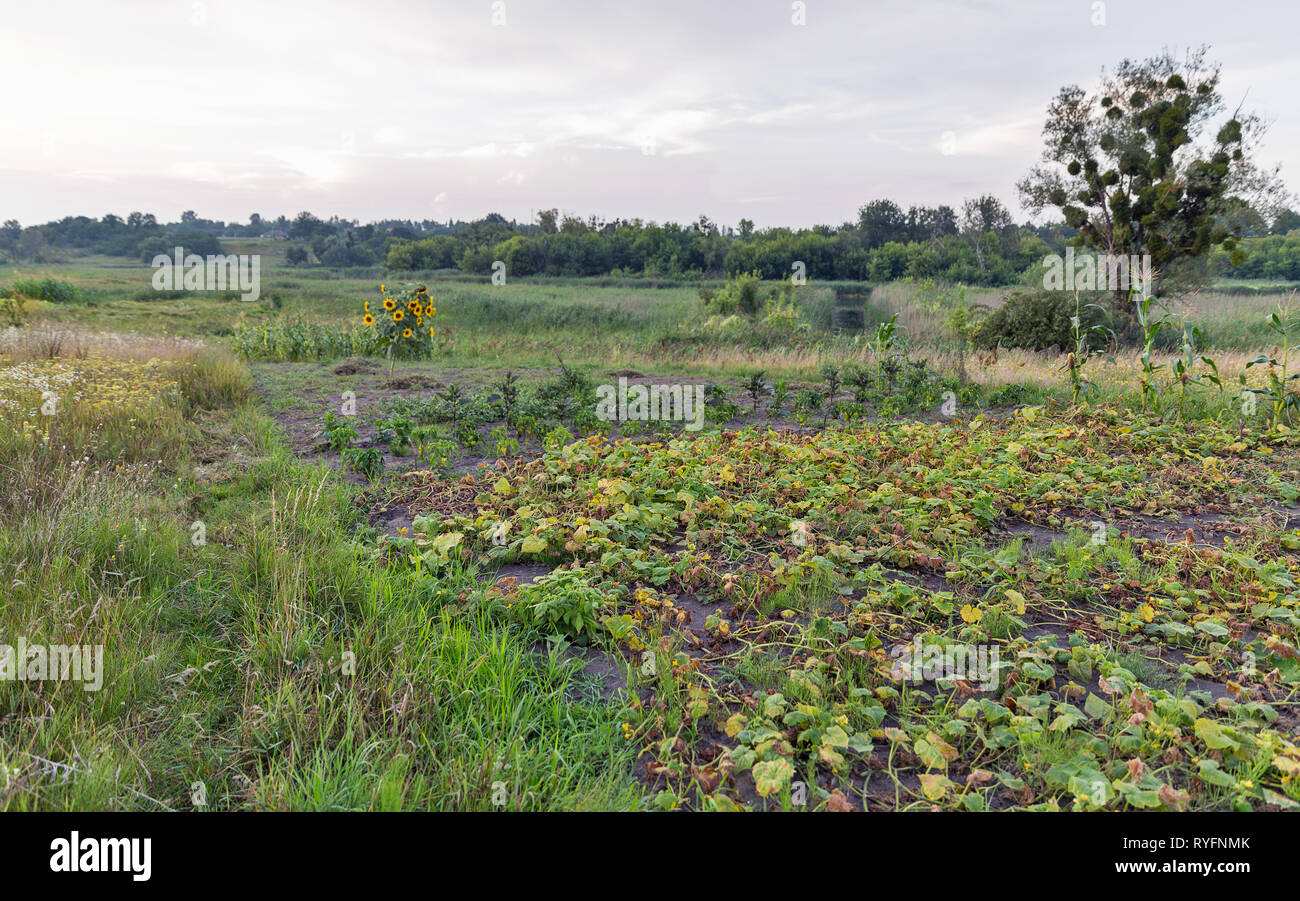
[369, 320]
[389, 303]
[406, 333]
[367, 307]
[397, 315]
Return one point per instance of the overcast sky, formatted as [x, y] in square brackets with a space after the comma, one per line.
[660, 110]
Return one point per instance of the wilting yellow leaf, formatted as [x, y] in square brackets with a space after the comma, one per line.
[935, 785]
[1016, 598]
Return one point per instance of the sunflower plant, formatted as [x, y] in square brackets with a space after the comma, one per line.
[404, 322]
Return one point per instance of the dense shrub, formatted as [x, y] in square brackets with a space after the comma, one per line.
[48, 289]
[744, 294]
[195, 242]
[1275, 257]
[439, 252]
[1037, 320]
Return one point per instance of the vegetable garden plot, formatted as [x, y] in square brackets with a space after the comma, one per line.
[841, 619]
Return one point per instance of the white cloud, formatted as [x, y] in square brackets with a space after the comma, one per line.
[368, 110]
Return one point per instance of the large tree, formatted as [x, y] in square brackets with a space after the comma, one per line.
[980, 216]
[929, 224]
[1149, 162]
[1285, 220]
[881, 221]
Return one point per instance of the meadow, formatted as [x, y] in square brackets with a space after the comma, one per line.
[891, 572]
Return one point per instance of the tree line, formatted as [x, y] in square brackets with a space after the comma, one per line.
[979, 245]
[975, 244]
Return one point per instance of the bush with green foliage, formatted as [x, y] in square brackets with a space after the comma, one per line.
[564, 602]
[338, 432]
[742, 294]
[51, 290]
[1034, 319]
[367, 461]
[190, 242]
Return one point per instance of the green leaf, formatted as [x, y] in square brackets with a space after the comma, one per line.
[443, 544]
[1216, 737]
[861, 743]
[742, 758]
[723, 804]
[1093, 786]
[873, 713]
[835, 737]
[1138, 797]
[1212, 774]
[1064, 722]
[1080, 668]
[1210, 627]
[934, 751]
[1097, 708]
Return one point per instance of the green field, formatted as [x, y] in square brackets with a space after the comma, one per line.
[885, 574]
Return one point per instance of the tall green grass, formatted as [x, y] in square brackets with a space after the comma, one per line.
[224, 679]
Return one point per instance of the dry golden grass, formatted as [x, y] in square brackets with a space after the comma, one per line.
[1123, 374]
[43, 340]
[1007, 366]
